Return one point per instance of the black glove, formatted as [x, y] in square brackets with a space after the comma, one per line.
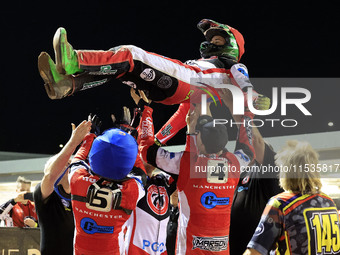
[96, 124]
[124, 123]
[159, 180]
[125, 120]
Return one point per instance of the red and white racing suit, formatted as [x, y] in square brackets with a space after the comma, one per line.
[205, 196]
[146, 228]
[148, 223]
[164, 80]
[98, 228]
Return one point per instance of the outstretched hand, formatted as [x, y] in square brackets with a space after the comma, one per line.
[137, 98]
[126, 119]
[79, 132]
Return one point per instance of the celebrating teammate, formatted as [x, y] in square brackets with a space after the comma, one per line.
[147, 225]
[164, 80]
[103, 193]
[207, 179]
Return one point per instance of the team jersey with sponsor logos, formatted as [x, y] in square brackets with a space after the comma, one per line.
[98, 227]
[147, 224]
[298, 224]
[205, 203]
[206, 184]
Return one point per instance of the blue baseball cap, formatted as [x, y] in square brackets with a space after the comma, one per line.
[113, 154]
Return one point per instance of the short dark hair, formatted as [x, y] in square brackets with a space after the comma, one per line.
[22, 179]
[214, 137]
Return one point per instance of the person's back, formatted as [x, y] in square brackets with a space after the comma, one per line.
[301, 220]
[205, 203]
[207, 178]
[316, 218]
[103, 193]
[98, 227]
[311, 224]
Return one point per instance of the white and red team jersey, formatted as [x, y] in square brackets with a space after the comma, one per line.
[98, 227]
[147, 226]
[205, 196]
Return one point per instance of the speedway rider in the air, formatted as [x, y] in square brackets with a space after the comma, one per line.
[164, 80]
[167, 81]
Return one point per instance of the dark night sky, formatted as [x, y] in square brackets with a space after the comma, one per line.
[281, 41]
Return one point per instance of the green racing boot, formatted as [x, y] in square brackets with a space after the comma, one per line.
[65, 56]
[60, 85]
[57, 85]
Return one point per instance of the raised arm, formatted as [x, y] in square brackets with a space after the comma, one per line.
[55, 165]
[244, 149]
[174, 124]
[261, 103]
[150, 151]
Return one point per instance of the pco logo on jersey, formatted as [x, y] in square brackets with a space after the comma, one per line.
[154, 246]
[209, 200]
